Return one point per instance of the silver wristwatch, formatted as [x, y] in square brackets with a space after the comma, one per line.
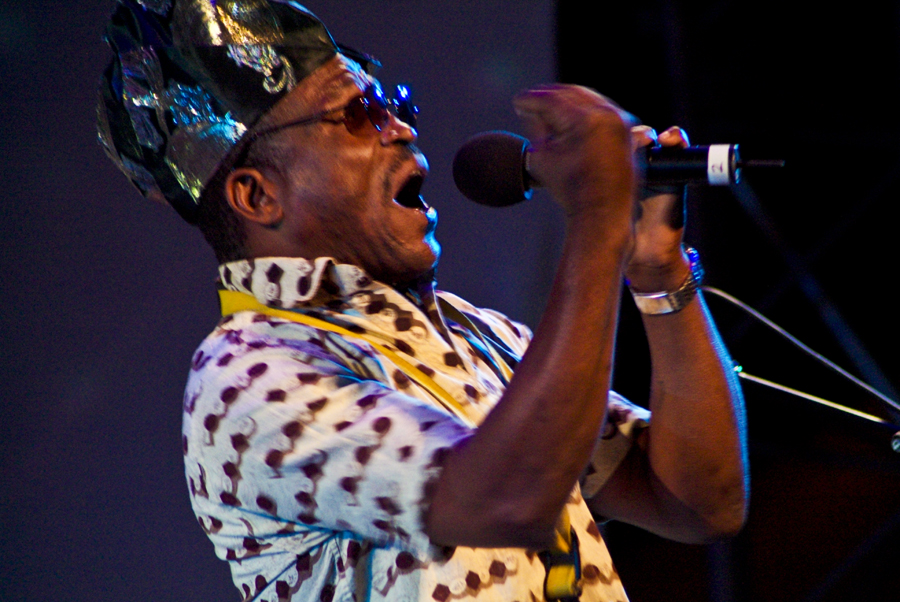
[669, 302]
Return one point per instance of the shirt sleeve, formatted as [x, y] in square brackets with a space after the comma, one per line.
[290, 431]
[624, 421]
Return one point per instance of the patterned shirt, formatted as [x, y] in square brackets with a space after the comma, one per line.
[310, 456]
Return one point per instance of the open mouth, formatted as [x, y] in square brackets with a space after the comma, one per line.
[409, 196]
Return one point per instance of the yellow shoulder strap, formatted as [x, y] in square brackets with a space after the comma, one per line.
[234, 301]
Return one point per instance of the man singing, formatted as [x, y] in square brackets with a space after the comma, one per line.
[350, 433]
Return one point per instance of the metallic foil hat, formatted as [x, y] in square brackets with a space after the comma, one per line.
[190, 77]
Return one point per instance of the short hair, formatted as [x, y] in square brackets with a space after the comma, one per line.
[220, 225]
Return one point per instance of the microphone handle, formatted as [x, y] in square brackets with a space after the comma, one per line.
[716, 165]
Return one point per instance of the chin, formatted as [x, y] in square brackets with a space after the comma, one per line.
[420, 265]
[435, 247]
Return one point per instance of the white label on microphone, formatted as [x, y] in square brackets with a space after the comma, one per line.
[718, 165]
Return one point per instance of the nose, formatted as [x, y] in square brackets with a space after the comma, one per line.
[398, 131]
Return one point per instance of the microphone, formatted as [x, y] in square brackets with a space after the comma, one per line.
[491, 168]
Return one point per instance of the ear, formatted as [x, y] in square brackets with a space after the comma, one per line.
[254, 196]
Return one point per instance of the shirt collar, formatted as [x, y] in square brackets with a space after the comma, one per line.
[295, 282]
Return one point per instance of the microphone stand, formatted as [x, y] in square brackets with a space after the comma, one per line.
[890, 403]
[895, 439]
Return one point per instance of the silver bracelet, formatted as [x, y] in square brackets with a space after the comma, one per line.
[656, 304]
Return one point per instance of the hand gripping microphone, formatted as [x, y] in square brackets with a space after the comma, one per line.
[491, 168]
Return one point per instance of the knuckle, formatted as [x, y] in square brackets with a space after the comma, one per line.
[611, 118]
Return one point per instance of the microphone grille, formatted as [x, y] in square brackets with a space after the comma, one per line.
[490, 169]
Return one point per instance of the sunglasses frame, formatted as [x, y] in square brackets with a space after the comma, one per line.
[369, 106]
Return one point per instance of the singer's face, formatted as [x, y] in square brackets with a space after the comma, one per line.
[352, 192]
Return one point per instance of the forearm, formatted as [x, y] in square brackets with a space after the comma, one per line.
[507, 485]
[696, 445]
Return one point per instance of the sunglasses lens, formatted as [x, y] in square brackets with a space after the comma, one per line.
[373, 108]
[377, 107]
[406, 110]
[356, 115]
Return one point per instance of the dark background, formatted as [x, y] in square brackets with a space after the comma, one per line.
[813, 247]
[106, 295]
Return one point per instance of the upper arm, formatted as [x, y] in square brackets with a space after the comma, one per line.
[620, 484]
[634, 494]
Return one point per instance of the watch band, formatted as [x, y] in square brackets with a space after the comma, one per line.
[655, 304]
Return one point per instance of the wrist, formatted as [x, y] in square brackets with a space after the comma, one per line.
[661, 276]
[601, 228]
[671, 300]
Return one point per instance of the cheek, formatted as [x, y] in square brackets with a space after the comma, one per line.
[330, 163]
[333, 193]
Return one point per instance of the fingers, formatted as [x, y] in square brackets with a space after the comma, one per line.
[674, 136]
[581, 147]
[643, 135]
[664, 205]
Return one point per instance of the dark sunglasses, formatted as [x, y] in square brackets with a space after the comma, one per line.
[369, 108]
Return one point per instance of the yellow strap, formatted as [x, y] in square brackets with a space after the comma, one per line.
[563, 533]
[562, 580]
[234, 301]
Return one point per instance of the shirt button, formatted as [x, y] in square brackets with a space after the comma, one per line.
[458, 586]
